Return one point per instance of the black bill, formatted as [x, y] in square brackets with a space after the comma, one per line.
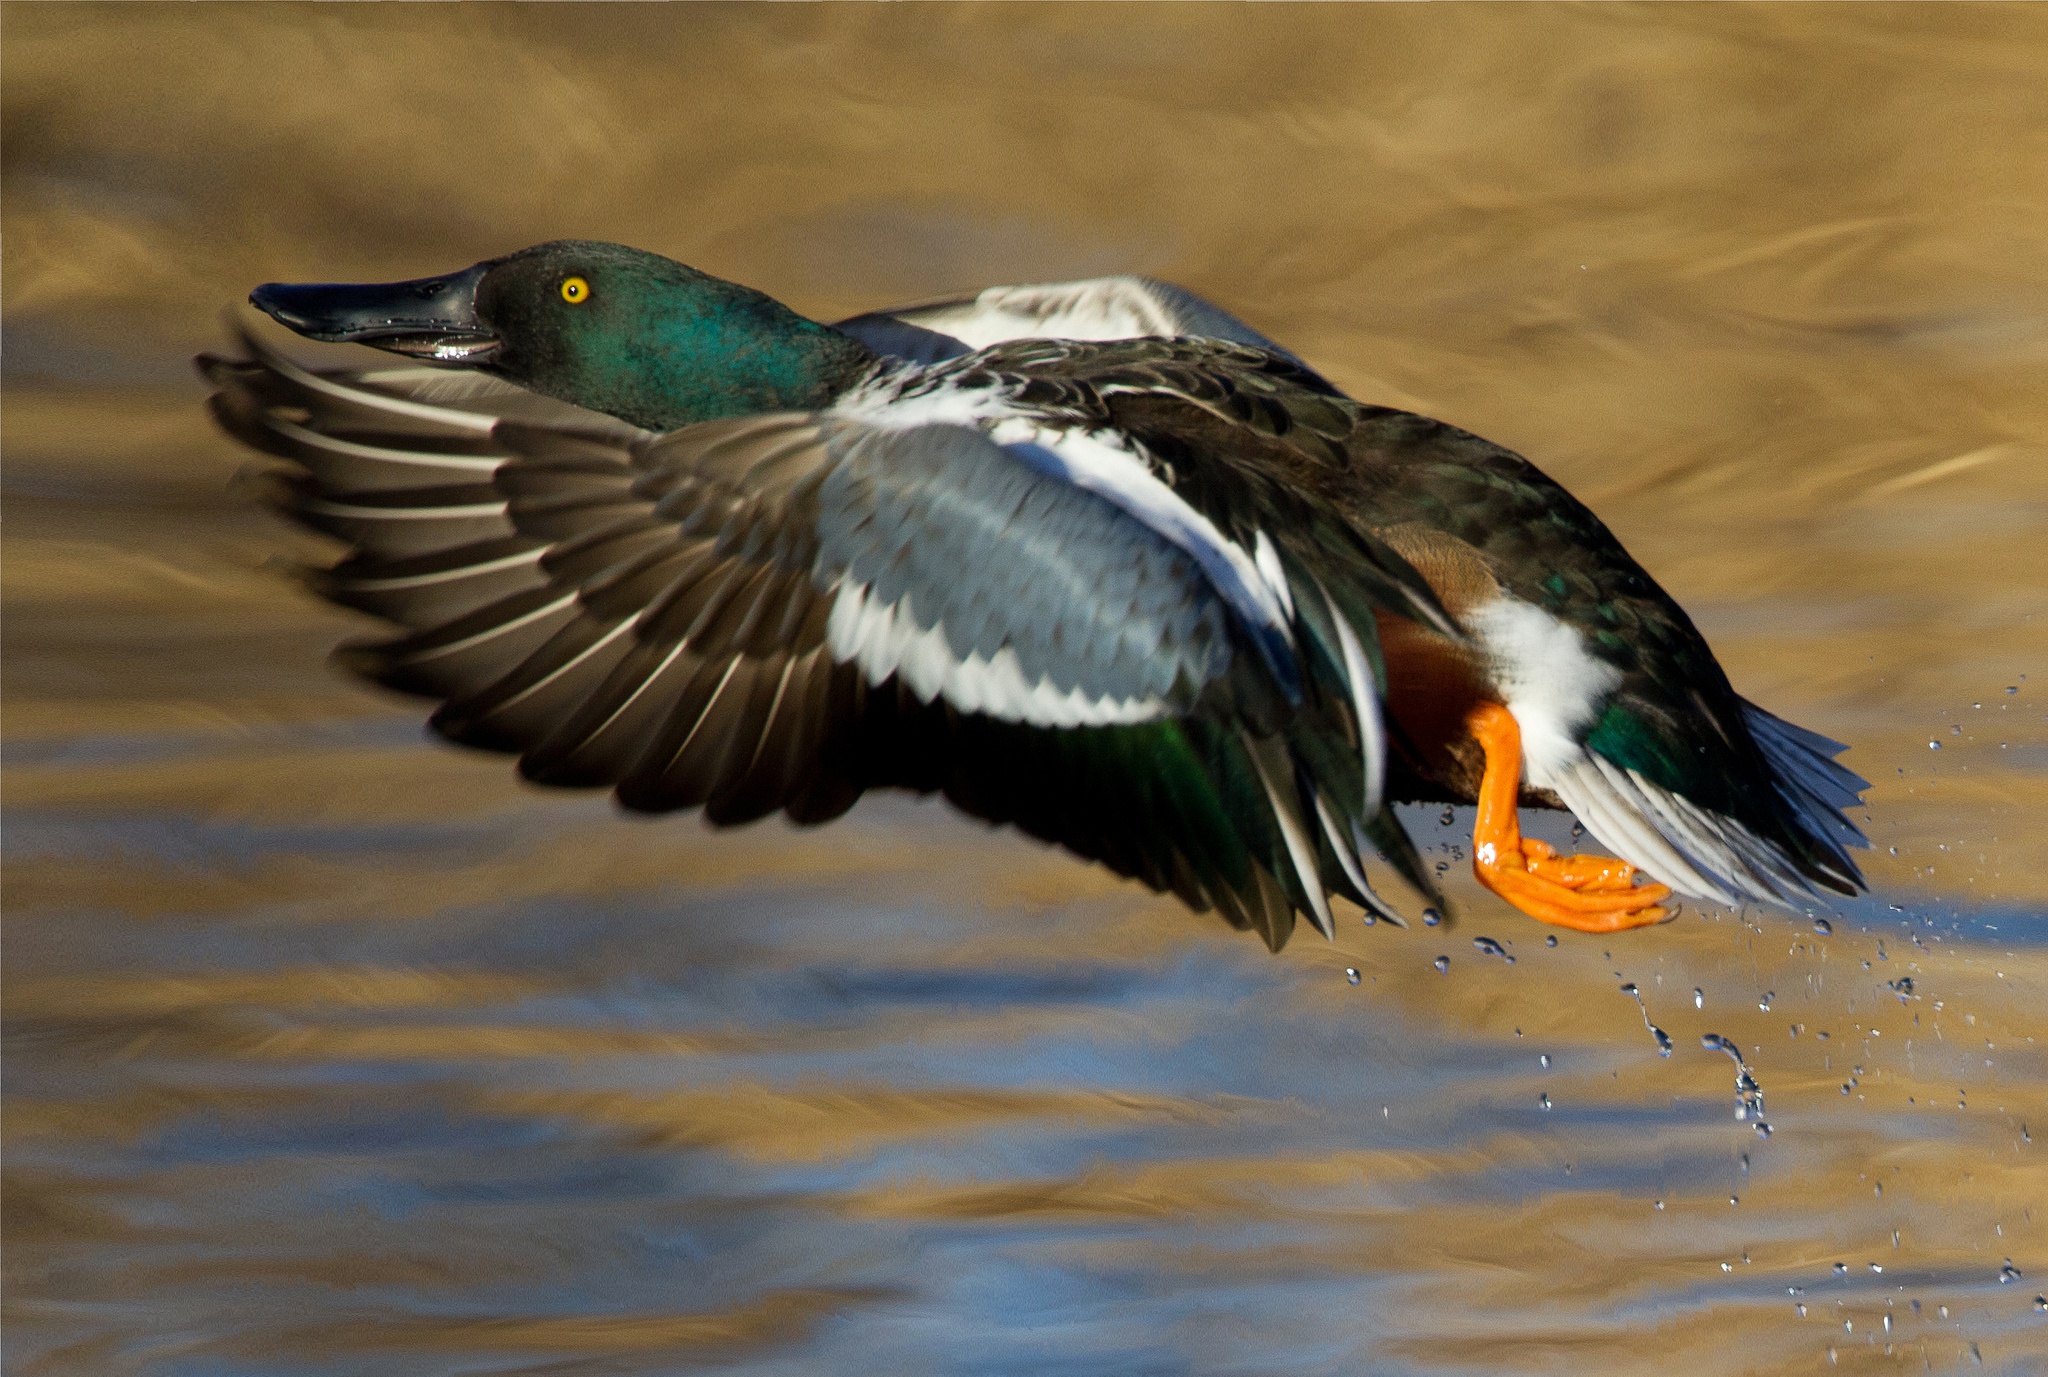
[430, 318]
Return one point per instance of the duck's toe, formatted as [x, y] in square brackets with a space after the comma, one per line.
[1584, 893]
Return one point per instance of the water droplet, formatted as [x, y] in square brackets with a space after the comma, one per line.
[1823, 926]
[1734, 1200]
[1765, 1002]
[1749, 1096]
[1887, 1324]
[1841, 1269]
[1895, 850]
[2011, 689]
[1351, 974]
[1544, 1099]
[1430, 917]
[1448, 818]
[1763, 1130]
[1942, 1310]
[1490, 947]
[1903, 987]
[1800, 1306]
[1877, 1267]
[1544, 1061]
[2008, 1273]
[2041, 1303]
[1699, 998]
[1551, 940]
[1727, 1266]
[1662, 1038]
[1934, 745]
[1442, 964]
[1660, 1204]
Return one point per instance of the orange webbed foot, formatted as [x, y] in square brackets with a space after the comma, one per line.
[1584, 893]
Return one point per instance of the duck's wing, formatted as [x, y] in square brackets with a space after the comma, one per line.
[1096, 308]
[782, 611]
[1677, 774]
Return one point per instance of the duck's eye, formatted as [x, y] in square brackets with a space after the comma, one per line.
[575, 290]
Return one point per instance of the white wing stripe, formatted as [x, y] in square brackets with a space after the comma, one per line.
[1365, 701]
[1115, 474]
[885, 639]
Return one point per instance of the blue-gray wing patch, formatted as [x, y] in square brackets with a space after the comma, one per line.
[984, 581]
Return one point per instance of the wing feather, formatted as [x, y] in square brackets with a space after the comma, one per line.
[668, 616]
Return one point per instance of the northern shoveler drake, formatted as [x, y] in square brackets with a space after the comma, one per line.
[1172, 600]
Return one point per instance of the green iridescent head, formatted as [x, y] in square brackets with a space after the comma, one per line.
[632, 334]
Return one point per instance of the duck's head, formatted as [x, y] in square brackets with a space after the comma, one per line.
[633, 334]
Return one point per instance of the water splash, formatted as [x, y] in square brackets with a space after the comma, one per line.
[1749, 1096]
[1489, 947]
[1663, 1038]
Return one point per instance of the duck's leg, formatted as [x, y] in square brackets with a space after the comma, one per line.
[1586, 893]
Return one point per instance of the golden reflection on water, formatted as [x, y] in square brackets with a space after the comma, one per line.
[332, 1051]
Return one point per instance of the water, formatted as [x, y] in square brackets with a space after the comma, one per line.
[1657, 1035]
[331, 1051]
[1749, 1096]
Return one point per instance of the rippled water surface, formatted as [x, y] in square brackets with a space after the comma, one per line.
[334, 1051]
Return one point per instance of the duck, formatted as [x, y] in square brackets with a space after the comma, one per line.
[1164, 597]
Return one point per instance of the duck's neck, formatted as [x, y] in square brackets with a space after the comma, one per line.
[700, 351]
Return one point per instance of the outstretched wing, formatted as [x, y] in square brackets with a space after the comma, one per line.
[781, 611]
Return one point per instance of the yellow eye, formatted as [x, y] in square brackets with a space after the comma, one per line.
[575, 290]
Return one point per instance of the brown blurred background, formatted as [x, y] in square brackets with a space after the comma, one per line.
[331, 1050]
